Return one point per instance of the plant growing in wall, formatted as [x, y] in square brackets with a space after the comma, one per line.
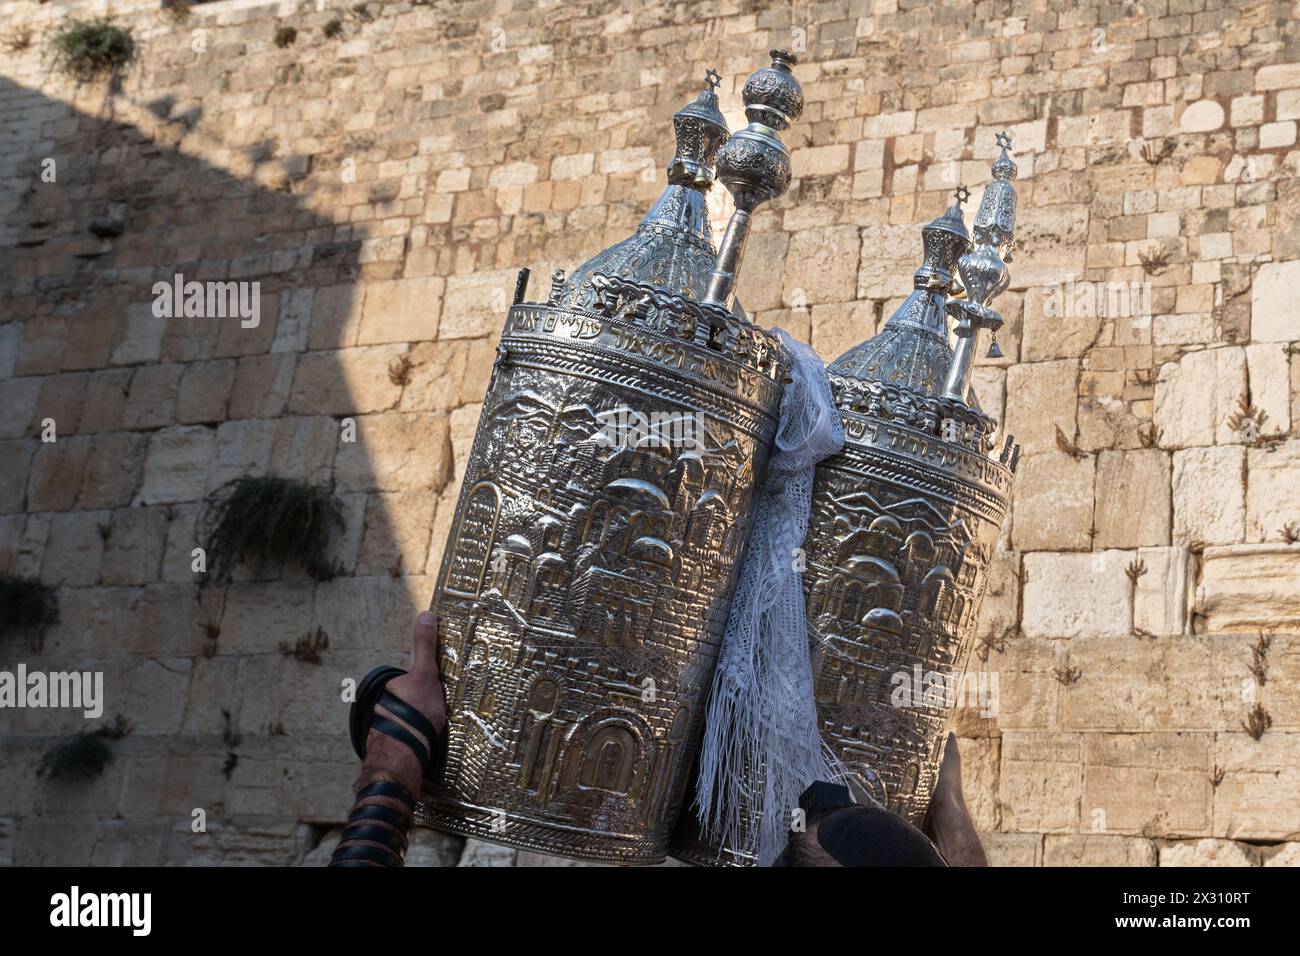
[83, 757]
[28, 608]
[270, 521]
[89, 49]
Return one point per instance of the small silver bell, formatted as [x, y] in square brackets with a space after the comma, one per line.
[994, 351]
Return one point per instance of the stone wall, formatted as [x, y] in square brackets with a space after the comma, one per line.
[384, 180]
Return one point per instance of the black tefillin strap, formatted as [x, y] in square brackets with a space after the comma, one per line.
[377, 832]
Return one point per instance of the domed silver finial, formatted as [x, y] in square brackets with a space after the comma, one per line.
[700, 129]
[983, 272]
[754, 165]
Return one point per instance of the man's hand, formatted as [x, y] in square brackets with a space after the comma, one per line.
[948, 822]
[379, 822]
[421, 687]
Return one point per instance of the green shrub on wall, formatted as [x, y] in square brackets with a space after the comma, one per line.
[270, 521]
[28, 608]
[88, 49]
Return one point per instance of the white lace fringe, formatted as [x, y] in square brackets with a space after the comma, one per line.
[761, 744]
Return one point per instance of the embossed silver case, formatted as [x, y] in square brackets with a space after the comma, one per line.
[586, 582]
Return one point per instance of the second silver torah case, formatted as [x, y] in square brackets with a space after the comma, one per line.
[904, 522]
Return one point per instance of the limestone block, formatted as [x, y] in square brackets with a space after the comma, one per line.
[336, 316]
[1041, 778]
[18, 398]
[1097, 849]
[1209, 495]
[227, 843]
[1043, 397]
[293, 323]
[396, 451]
[835, 249]
[134, 550]
[129, 842]
[1247, 587]
[1056, 326]
[142, 341]
[979, 774]
[1027, 693]
[176, 468]
[243, 447]
[85, 616]
[760, 283]
[1199, 853]
[436, 374]
[56, 473]
[1133, 495]
[113, 470]
[74, 548]
[352, 381]
[169, 623]
[1013, 849]
[182, 537]
[1269, 366]
[1272, 490]
[155, 390]
[205, 391]
[463, 426]
[475, 305]
[305, 448]
[1255, 800]
[105, 407]
[401, 310]
[1151, 800]
[1287, 854]
[1053, 501]
[1000, 609]
[17, 456]
[259, 615]
[1162, 594]
[837, 327]
[157, 696]
[396, 532]
[369, 615]
[1271, 295]
[1077, 595]
[1131, 684]
[1196, 396]
[62, 398]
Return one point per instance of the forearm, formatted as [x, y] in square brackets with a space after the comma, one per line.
[389, 780]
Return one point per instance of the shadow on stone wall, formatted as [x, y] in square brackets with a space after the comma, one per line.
[153, 415]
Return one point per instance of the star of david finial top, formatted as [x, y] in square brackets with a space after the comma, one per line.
[962, 194]
[713, 78]
[1003, 140]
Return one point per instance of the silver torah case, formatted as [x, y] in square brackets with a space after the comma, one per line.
[588, 573]
[906, 518]
[904, 523]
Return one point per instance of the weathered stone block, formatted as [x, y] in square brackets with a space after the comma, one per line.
[1272, 491]
[135, 546]
[1077, 595]
[1249, 586]
[401, 310]
[1133, 489]
[74, 548]
[176, 468]
[1044, 397]
[1196, 395]
[1095, 849]
[1052, 504]
[1209, 495]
